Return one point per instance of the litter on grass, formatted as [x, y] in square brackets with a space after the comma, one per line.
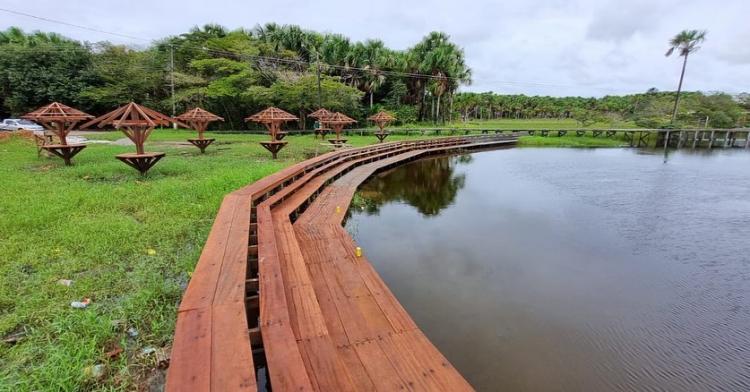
[65, 282]
[96, 372]
[81, 304]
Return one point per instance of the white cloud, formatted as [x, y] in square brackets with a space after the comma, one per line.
[576, 47]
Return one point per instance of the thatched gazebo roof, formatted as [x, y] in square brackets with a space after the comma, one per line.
[57, 112]
[132, 115]
[271, 115]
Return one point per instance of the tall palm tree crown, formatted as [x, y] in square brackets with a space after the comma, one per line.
[686, 42]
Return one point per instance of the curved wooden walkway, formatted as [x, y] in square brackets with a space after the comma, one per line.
[279, 287]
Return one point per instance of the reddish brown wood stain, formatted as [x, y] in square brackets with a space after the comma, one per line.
[327, 320]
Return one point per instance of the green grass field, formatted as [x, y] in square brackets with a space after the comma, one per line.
[128, 242]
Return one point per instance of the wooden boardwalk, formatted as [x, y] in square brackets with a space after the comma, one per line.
[279, 287]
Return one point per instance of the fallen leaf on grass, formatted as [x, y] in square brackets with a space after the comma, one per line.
[115, 352]
[14, 337]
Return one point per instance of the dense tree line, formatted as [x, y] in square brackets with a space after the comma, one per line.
[235, 73]
[651, 109]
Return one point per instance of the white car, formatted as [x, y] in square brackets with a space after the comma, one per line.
[16, 124]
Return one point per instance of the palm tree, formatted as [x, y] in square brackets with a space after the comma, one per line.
[686, 42]
[13, 35]
[375, 55]
[444, 61]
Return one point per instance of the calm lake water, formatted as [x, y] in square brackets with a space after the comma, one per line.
[571, 269]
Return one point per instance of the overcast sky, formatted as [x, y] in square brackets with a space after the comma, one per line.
[566, 47]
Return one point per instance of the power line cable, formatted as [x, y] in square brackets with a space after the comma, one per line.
[72, 25]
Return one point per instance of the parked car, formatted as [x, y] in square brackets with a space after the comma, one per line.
[17, 124]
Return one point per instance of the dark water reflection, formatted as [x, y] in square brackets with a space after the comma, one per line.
[429, 185]
[575, 270]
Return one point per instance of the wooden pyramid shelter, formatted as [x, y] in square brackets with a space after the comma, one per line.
[272, 118]
[337, 121]
[60, 119]
[136, 122]
[198, 119]
[319, 115]
[381, 119]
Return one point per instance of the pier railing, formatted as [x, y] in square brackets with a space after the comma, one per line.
[634, 137]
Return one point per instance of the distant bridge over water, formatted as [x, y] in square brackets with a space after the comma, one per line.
[634, 137]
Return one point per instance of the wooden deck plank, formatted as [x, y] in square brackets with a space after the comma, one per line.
[357, 372]
[200, 291]
[232, 367]
[190, 348]
[329, 369]
[232, 276]
[286, 367]
[306, 315]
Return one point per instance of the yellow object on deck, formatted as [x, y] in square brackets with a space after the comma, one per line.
[358, 252]
[338, 209]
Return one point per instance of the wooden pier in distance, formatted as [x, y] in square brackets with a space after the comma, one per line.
[632, 137]
[280, 289]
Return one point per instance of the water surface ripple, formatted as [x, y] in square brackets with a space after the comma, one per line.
[572, 270]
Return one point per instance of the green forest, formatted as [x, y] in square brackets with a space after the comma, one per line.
[234, 73]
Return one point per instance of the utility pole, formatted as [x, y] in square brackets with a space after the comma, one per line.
[171, 76]
[320, 93]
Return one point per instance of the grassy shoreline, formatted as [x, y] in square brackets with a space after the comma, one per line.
[128, 243]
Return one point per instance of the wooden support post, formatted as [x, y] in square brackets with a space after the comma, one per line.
[696, 138]
[711, 140]
[66, 152]
[141, 162]
[381, 136]
[273, 147]
[201, 143]
[643, 138]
